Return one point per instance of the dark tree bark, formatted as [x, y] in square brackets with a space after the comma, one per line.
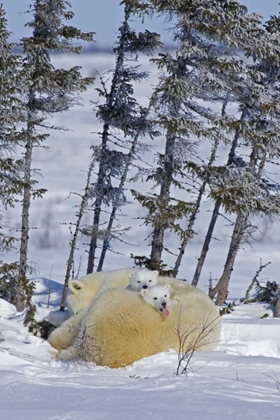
[168, 170]
[194, 213]
[206, 243]
[215, 214]
[23, 266]
[98, 202]
[276, 312]
[112, 218]
[222, 286]
[74, 239]
[241, 223]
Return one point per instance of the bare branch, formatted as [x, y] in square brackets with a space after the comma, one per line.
[193, 339]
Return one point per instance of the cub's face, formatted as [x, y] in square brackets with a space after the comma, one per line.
[158, 296]
[143, 279]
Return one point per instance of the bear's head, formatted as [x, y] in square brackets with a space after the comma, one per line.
[142, 279]
[157, 296]
[80, 295]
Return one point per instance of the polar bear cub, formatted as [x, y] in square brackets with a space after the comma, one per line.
[158, 296]
[142, 279]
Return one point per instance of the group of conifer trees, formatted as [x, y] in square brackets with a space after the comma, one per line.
[218, 87]
[32, 90]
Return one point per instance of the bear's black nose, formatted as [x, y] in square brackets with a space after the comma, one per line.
[164, 304]
[145, 286]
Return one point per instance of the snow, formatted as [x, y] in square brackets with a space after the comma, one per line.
[240, 378]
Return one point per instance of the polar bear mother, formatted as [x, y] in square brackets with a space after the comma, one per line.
[82, 291]
[119, 327]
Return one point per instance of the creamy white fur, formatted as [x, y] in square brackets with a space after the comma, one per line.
[142, 279]
[157, 296]
[82, 291]
[119, 327]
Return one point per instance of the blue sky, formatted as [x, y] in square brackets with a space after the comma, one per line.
[104, 16]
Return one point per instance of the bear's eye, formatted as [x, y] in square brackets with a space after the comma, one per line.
[155, 298]
[150, 281]
[138, 281]
[165, 295]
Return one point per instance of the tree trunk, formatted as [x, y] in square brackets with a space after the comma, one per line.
[106, 241]
[222, 286]
[21, 290]
[168, 169]
[74, 240]
[98, 201]
[94, 234]
[208, 237]
[189, 229]
[239, 229]
[276, 312]
[206, 243]
[195, 212]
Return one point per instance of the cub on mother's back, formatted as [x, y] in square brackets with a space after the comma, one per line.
[158, 296]
[142, 279]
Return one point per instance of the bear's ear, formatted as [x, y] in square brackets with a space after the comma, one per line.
[156, 273]
[130, 276]
[168, 286]
[143, 292]
[75, 286]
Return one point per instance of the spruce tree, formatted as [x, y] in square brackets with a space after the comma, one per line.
[249, 191]
[47, 91]
[11, 185]
[203, 73]
[11, 116]
[124, 123]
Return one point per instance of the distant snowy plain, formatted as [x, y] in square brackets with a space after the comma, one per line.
[238, 380]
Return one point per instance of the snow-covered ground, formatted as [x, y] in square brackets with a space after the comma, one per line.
[241, 379]
[238, 380]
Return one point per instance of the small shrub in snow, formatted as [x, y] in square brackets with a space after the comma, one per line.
[267, 293]
[188, 348]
